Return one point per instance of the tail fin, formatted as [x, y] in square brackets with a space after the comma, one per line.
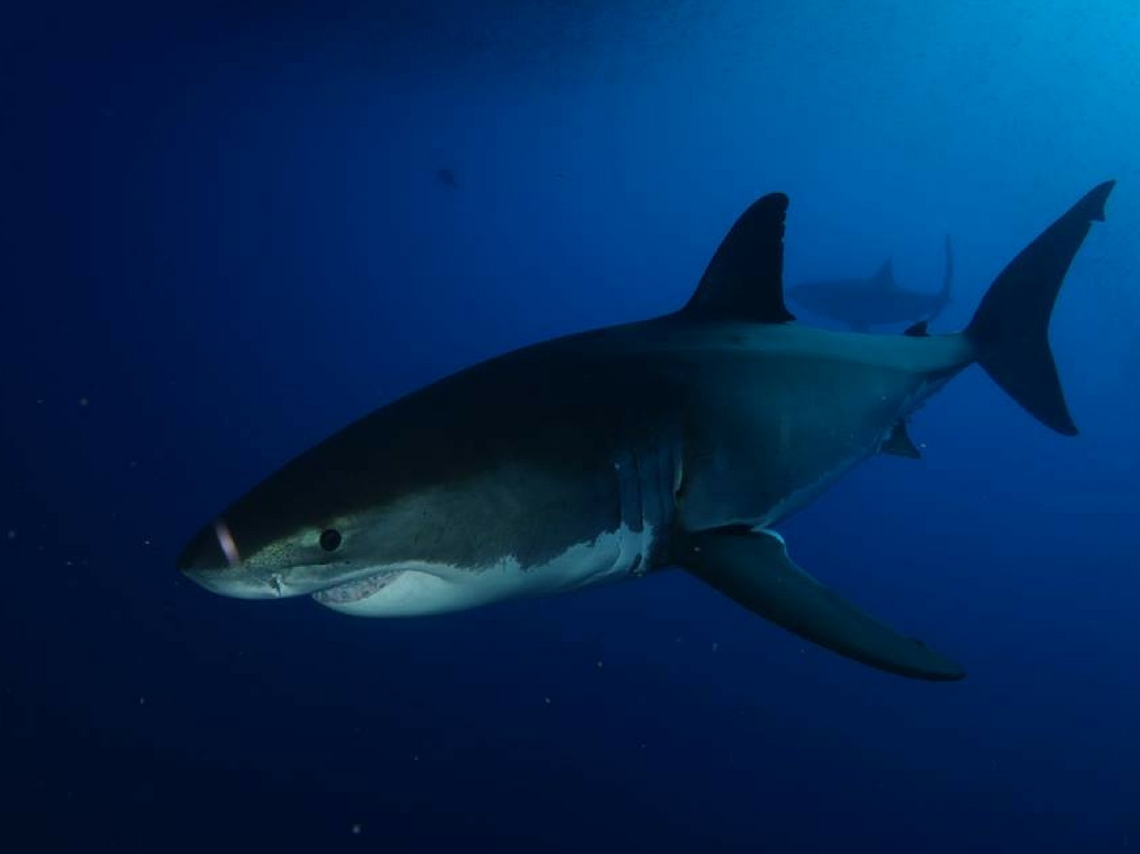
[1010, 329]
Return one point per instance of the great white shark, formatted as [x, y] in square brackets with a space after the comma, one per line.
[877, 300]
[679, 441]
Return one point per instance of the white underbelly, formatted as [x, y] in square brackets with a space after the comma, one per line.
[420, 589]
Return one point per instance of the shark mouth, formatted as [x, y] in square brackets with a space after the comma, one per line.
[354, 591]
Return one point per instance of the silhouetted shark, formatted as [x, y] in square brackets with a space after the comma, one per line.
[875, 301]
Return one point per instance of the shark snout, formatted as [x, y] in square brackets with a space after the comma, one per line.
[211, 559]
[204, 552]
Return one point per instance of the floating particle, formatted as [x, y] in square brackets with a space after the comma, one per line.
[11, 533]
[546, 700]
[83, 401]
[715, 646]
[356, 828]
[599, 665]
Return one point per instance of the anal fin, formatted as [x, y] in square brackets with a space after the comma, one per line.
[899, 443]
[753, 569]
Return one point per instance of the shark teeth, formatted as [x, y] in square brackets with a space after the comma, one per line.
[354, 591]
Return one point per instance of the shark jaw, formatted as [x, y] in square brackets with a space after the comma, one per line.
[421, 589]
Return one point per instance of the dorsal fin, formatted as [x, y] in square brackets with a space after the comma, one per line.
[885, 275]
[745, 278]
[918, 330]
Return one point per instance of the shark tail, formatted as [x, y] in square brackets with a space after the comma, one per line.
[1010, 330]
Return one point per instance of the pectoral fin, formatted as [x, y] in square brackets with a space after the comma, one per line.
[753, 568]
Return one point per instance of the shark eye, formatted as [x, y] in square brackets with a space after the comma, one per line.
[330, 539]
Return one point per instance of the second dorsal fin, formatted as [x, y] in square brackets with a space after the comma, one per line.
[899, 443]
[745, 278]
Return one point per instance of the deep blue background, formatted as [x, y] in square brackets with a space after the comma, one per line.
[223, 238]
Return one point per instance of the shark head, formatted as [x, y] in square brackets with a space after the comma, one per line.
[304, 560]
[254, 550]
[340, 522]
[396, 516]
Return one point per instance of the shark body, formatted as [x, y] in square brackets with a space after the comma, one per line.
[679, 441]
[877, 300]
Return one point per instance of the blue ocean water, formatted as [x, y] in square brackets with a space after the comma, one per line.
[226, 236]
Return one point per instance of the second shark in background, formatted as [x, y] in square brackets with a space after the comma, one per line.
[877, 300]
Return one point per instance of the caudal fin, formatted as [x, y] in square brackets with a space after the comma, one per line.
[1010, 329]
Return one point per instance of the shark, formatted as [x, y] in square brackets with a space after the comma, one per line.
[878, 300]
[680, 441]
